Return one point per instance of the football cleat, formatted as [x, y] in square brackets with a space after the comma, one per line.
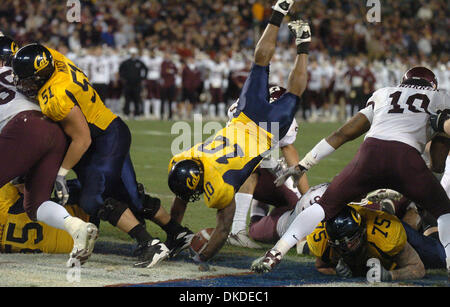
[83, 244]
[151, 253]
[266, 263]
[387, 206]
[283, 6]
[179, 242]
[242, 239]
[300, 29]
[381, 194]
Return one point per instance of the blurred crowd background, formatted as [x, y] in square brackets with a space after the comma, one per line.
[170, 58]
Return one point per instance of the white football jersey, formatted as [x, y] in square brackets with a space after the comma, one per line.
[100, 70]
[308, 199]
[11, 101]
[290, 136]
[402, 113]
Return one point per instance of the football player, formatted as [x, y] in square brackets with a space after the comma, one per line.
[348, 244]
[270, 228]
[98, 151]
[260, 184]
[33, 146]
[20, 234]
[218, 167]
[397, 122]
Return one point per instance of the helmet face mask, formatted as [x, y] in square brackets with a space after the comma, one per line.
[349, 245]
[346, 232]
[27, 86]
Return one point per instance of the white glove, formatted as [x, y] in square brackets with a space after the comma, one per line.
[377, 272]
[343, 270]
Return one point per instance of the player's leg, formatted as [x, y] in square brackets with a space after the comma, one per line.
[430, 250]
[39, 183]
[412, 173]
[357, 179]
[238, 235]
[266, 229]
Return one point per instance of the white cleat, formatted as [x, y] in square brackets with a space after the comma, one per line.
[83, 244]
[242, 239]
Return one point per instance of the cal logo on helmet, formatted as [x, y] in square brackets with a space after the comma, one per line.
[14, 48]
[192, 181]
[356, 217]
[40, 62]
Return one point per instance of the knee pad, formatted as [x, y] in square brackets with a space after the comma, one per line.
[111, 211]
[151, 206]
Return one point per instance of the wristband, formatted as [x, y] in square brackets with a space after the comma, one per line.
[320, 151]
[63, 172]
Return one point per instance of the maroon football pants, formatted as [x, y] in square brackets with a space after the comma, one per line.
[32, 146]
[386, 164]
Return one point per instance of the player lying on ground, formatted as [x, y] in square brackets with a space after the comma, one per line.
[269, 228]
[397, 122]
[218, 167]
[246, 195]
[20, 234]
[99, 151]
[33, 146]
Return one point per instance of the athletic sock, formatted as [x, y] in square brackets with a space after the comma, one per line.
[140, 234]
[243, 202]
[52, 214]
[172, 228]
[303, 225]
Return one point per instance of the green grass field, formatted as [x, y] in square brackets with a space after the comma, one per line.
[151, 153]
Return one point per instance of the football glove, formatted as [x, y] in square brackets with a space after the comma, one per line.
[437, 120]
[377, 272]
[296, 172]
[343, 270]
[61, 189]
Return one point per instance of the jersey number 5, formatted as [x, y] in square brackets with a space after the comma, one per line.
[85, 85]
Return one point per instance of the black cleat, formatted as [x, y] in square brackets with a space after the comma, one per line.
[179, 242]
[152, 253]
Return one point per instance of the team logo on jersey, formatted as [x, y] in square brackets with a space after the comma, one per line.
[192, 181]
[14, 48]
[40, 62]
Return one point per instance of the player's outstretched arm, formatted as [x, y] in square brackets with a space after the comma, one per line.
[439, 150]
[265, 48]
[298, 77]
[354, 128]
[218, 238]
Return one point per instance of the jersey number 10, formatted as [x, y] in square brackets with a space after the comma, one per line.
[396, 107]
